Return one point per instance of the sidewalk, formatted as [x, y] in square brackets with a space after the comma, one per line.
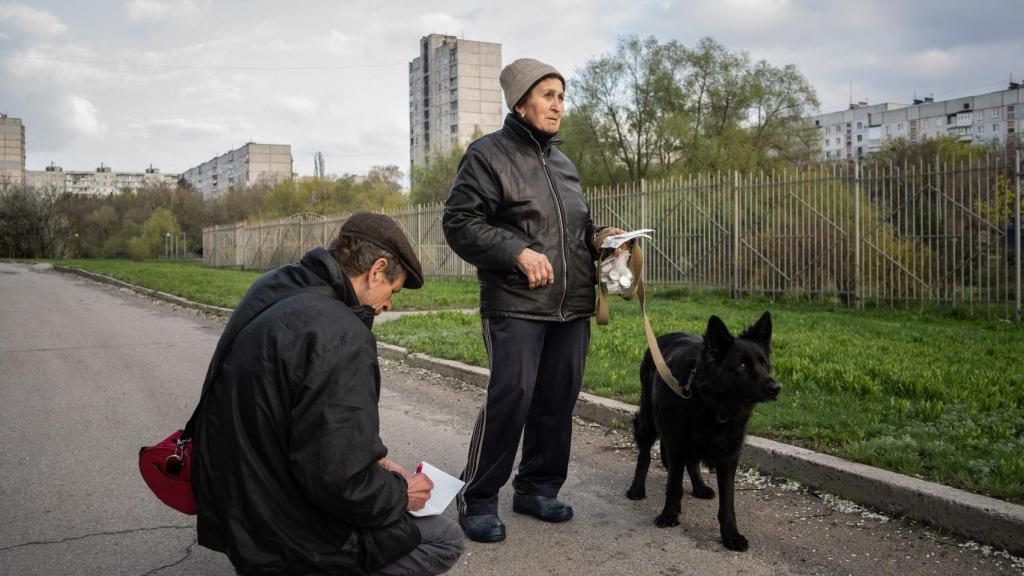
[980, 518]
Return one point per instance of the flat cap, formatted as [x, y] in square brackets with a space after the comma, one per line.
[383, 232]
[518, 77]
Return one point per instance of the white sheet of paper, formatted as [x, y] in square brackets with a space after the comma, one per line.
[446, 487]
[618, 239]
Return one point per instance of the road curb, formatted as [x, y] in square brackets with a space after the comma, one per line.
[217, 310]
[980, 518]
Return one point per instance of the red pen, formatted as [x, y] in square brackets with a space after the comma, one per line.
[419, 468]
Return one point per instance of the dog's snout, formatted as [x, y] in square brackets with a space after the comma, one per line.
[772, 389]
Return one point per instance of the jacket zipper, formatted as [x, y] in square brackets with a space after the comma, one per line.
[561, 228]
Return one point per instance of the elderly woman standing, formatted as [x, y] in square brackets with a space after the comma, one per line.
[516, 211]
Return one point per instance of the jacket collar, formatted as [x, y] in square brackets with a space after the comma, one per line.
[322, 264]
[520, 131]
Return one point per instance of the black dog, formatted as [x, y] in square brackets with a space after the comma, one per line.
[722, 379]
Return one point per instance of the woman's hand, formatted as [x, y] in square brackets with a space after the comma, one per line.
[536, 268]
[612, 232]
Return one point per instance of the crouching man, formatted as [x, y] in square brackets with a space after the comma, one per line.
[290, 473]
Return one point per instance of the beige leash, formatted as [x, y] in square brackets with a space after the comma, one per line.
[636, 266]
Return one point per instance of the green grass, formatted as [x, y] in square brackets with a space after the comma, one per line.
[188, 279]
[226, 286]
[922, 393]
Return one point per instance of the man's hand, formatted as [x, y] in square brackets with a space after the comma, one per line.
[419, 491]
[536, 268]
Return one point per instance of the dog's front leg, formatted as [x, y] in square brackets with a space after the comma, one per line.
[731, 536]
[673, 493]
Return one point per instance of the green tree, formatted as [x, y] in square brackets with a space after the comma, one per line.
[382, 189]
[651, 109]
[151, 241]
[33, 223]
[433, 181]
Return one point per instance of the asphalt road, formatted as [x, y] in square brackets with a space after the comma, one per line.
[88, 373]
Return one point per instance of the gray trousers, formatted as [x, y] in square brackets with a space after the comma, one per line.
[439, 549]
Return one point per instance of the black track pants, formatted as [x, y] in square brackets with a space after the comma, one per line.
[536, 373]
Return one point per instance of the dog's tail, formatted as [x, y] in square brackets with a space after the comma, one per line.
[644, 430]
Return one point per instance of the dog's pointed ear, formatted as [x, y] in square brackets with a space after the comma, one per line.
[717, 338]
[761, 332]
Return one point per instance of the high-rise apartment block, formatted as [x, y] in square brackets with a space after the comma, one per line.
[997, 117]
[12, 150]
[242, 167]
[454, 93]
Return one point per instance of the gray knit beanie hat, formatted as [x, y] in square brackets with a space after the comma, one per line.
[518, 77]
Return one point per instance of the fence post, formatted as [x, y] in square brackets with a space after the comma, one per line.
[736, 235]
[1016, 236]
[419, 232]
[643, 203]
[856, 233]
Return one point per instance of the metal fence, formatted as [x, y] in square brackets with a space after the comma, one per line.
[933, 232]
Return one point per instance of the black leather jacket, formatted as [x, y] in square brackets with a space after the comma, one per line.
[511, 193]
[287, 442]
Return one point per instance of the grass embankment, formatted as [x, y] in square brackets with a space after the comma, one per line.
[917, 393]
[226, 286]
[188, 279]
[923, 395]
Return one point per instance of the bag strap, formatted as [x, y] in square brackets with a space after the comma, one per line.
[222, 351]
[636, 266]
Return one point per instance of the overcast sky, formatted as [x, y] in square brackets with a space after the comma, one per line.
[174, 83]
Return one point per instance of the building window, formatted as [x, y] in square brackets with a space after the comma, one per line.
[888, 129]
[981, 129]
[828, 129]
[860, 125]
[979, 114]
[995, 128]
[994, 113]
[899, 127]
[860, 137]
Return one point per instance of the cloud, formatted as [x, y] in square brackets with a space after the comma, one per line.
[31, 20]
[85, 117]
[150, 11]
[176, 82]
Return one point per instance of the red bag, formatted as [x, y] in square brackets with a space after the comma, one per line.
[167, 469]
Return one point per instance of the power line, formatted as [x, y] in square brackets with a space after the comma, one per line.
[199, 67]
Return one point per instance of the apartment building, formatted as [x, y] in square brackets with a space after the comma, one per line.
[245, 166]
[12, 150]
[996, 117]
[454, 93]
[102, 181]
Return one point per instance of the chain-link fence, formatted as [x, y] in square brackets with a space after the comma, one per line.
[940, 232]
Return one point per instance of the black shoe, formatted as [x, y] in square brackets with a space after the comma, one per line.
[542, 507]
[483, 527]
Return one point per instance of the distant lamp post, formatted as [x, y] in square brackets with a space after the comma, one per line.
[167, 245]
[74, 250]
